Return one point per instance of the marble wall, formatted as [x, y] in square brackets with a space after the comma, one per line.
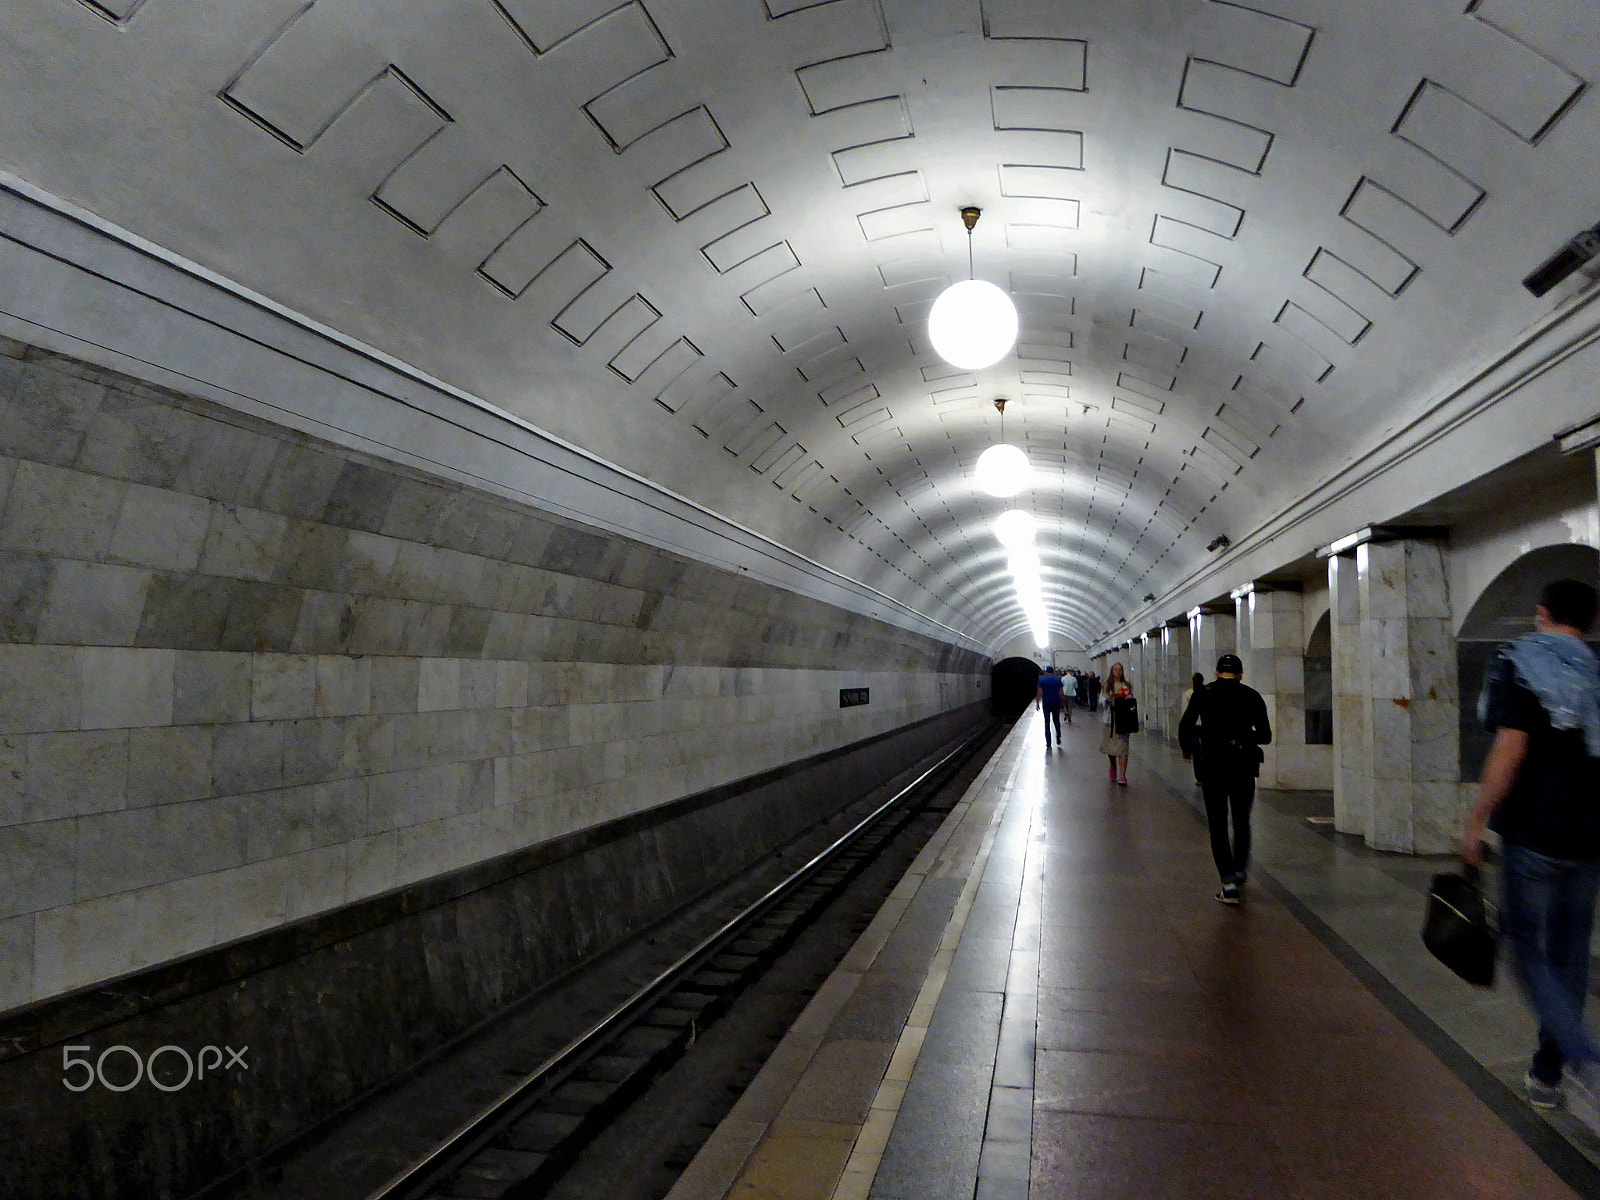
[246, 676]
[1411, 737]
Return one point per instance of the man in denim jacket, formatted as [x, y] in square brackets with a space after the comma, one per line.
[1541, 793]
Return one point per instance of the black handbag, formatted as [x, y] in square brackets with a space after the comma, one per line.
[1459, 929]
[1125, 716]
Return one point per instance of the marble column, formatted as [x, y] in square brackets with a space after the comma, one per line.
[1149, 684]
[1211, 635]
[1352, 771]
[1271, 634]
[1411, 738]
[1175, 648]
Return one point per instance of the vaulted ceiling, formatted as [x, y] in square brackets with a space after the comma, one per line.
[700, 238]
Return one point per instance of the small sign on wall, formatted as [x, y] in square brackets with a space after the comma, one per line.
[850, 697]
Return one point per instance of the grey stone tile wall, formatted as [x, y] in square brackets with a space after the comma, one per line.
[246, 676]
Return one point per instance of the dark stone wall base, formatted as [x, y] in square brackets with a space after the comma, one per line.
[337, 1005]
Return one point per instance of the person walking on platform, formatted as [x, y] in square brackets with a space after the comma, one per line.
[1196, 682]
[1048, 700]
[1541, 698]
[1233, 726]
[1094, 691]
[1121, 719]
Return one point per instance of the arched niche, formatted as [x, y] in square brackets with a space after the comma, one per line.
[1502, 613]
[1318, 666]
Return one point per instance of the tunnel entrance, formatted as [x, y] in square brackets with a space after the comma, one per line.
[1014, 682]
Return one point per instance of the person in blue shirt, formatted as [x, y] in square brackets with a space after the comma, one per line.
[1048, 700]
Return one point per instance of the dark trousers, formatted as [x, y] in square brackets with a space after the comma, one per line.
[1229, 792]
[1051, 712]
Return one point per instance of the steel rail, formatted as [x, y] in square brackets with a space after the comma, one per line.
[475, 1133]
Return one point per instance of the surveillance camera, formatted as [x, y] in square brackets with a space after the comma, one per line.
[1564, 262]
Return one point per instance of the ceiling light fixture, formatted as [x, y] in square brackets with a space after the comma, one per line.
[1015, 528]
[1221, 542]
[973, 324]
[1003, 469]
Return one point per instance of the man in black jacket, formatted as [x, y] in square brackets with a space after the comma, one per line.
[1232, 728]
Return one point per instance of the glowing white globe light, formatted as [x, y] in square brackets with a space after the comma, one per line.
[1003, 470]
[1014, 528]
[972, 325]
[1041, 638]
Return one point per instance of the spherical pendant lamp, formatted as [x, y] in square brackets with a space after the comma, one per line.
[973, 324]
[1015, 527]
[1002, 470]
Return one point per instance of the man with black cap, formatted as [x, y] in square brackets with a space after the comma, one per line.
[1233, 726]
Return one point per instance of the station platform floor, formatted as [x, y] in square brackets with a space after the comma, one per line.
[1052, 1004]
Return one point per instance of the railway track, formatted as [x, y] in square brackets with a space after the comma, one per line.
[520, 1146]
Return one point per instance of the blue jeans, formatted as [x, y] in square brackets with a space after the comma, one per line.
[1547, 913]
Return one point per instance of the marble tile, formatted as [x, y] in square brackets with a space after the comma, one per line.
[159, 528]
[93, 604]
[288, 820]
[141, 847]
[300, 482]
[174, 919]
[39, 688]
[439, 684]
[125, 688]
[247, 757]
[372, 865]
[210, 688]
[54, 511]
[168, 764]
[313, 556]
[78, 944]
[395, 684]
[183, 612]
[244, 543]
[24, 583]
[16, 961]
[415, 574]
[47, 414]
[413, 510]
[282, 686]
[38, 862]
[262, 617]
[343, 686]
[227, 463]
[369, 562]
[318, 880]
[361, 496]
[326, 623]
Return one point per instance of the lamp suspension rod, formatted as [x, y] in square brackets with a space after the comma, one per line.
[969, 218]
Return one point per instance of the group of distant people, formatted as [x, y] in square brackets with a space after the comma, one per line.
[1540, 791]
